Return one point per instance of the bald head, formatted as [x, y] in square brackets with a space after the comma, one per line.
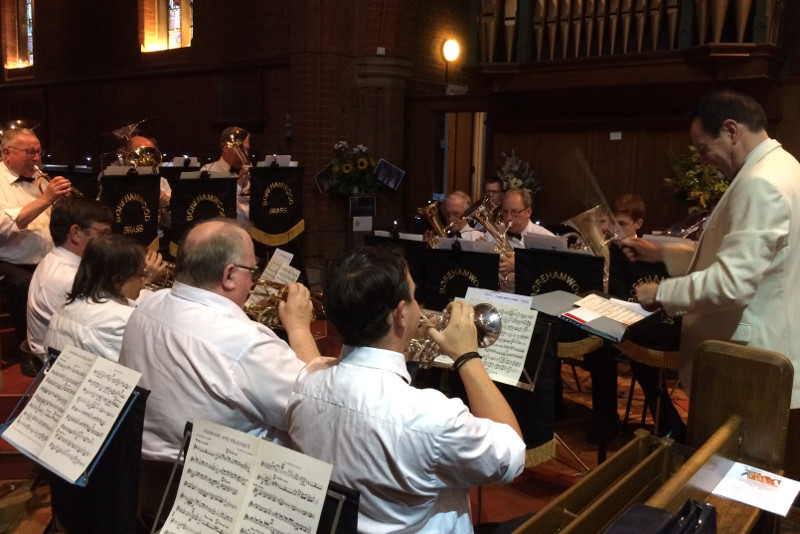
[208, 256]
[138, 141]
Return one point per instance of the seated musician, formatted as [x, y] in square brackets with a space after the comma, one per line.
[199, 353]
[624, 276]
[112, 273]
[74, 222]
[517, 211]
[455, 204]
[412, 453]
[230, 160]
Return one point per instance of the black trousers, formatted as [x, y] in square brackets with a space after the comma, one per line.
[16, 279]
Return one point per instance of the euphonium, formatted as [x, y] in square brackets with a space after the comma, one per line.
[431, 214]
[488, 322]
[144, 156]
[266, 311]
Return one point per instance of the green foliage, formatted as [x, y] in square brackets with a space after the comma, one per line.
[353, 170]
[695, 183]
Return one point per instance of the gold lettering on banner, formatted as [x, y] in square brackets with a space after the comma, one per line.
[206, 197]
[558, 276]
[270, 189]
[132, 197]
[473, 280]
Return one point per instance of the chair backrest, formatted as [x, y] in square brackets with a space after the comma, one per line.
[339, 511]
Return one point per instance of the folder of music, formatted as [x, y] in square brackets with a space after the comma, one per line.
[74, 413]
[594, 312]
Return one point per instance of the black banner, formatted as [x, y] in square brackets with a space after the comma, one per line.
[198, 200]
[133, 199]
[448, 274]
[276, 204]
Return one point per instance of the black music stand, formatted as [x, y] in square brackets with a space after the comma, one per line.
[415, 253]
[198, 199]
[448, 274]
[133, 198]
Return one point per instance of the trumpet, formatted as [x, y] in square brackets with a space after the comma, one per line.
[264, 307]
[45, 178]
[488, 323]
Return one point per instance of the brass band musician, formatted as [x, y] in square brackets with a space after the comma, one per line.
[233, 159]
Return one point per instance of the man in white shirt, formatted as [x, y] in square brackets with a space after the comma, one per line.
[24, 218]
[234, 159]
[455, 204]
[199, 353]
[517, 210]
[73, 223]
[412, 453]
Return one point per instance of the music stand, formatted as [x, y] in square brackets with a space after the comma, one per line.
[198, 199]
[133, 198]
[448, 274]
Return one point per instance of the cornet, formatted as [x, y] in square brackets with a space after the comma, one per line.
[488, 322]
[266, 311]
[45, 178]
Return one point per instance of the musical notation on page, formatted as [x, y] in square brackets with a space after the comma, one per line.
[619, 310]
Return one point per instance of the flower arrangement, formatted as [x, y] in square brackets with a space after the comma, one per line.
[353, 170]
[517, 174]
[700, 185]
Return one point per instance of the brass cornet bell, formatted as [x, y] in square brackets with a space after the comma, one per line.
[488, 323]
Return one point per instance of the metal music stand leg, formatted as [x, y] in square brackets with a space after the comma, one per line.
[586, 468]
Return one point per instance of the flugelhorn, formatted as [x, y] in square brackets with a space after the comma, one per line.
[488, 322]
[45, 178]
[266, 310]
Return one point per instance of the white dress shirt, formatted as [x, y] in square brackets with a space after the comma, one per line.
[30, 245]
[96, 327]
[242, 201]
[201, 356]
[51, 282]
[531, 228]
[412, 453]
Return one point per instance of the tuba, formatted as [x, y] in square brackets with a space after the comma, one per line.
[265, 311]
[488, 322]
[430, 212]
[144, 156]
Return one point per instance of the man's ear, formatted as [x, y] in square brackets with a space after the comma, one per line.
[74, 234]
[226, 281]
[732, 128]
[638, 224]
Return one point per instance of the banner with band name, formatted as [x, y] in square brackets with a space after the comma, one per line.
[133, 199]
[448, 274]
[276, 204]
[195, 200]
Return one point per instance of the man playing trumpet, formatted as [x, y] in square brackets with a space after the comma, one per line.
[412, 453]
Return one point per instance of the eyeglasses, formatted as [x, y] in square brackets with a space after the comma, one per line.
[100, 230]
[253, 270]
[29, 151]
[513, 212]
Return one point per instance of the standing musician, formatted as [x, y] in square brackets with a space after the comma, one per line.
[24, 225]
[412, 453]
[234, 160]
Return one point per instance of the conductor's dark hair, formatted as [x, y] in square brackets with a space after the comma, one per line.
[364, 289]
[77, 210]
[107, 262]
[716, 108]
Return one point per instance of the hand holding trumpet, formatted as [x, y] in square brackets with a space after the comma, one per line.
[460, 336]
[56, 189]
[297, 310]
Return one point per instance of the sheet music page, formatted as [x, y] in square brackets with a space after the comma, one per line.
[73, 410]
[286, 274]
[287, 493]
[89, 417]
[237, 483]
[279, 257]
[619, 310]
[37, 421]
[505, 359]
[215, 477]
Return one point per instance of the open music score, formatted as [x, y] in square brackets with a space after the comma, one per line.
[615, 309]
[505, 359]
[70, 415]
[235, 482]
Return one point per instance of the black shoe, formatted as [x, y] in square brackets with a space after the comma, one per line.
[29, 365]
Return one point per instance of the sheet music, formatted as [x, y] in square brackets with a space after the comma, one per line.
[619, 310]
[236, 483]
[69, 417]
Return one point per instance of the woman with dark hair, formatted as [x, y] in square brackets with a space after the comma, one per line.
[110, 277]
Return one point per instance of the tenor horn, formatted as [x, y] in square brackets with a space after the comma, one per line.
[483, 212]
[488, 322]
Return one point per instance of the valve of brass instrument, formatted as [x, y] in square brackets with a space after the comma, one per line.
[265, 298]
